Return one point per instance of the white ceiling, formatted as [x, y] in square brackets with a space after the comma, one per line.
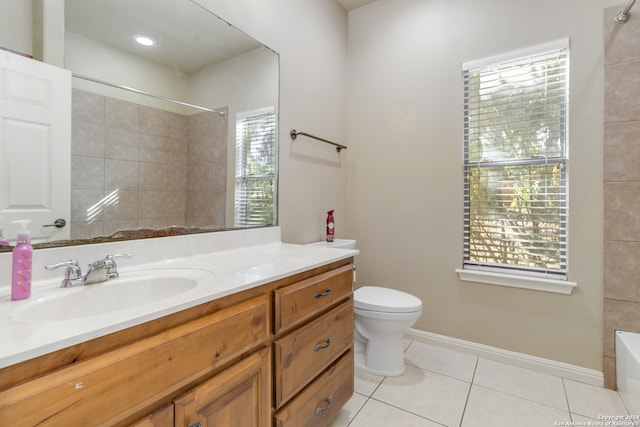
[188, 36]
[354, 4]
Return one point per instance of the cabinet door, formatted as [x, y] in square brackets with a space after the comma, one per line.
[239, 396]
[161, 418]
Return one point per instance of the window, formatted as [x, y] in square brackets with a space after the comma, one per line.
[255, 168]
[515, 162]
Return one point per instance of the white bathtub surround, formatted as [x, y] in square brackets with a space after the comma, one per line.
[234, 260]
[628, 370]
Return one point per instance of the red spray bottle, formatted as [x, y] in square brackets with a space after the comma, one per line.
[330, 226]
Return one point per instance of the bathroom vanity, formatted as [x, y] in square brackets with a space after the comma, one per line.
[272, 344]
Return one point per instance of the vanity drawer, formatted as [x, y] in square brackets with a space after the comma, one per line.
[301, 301]
[116, 386]
[304, 353]
[319, 403]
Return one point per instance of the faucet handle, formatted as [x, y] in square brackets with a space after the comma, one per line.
[118, 256]
[72, 274]
[112, 267]
[72, 267]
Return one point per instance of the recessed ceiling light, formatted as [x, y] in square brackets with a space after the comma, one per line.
[145, 41]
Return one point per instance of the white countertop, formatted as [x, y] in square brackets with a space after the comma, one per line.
[231, 268]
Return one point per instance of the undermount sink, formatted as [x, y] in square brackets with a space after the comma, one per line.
[132, 289]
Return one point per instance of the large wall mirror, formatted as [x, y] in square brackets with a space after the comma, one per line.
[173, 135]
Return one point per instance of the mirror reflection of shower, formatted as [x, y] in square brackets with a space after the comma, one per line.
[94, 211]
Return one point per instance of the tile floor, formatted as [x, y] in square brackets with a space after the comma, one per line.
[442, 387]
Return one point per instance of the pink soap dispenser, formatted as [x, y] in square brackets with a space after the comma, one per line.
[3, 241]
[22, 256]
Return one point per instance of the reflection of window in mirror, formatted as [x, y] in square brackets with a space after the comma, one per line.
[255, 167]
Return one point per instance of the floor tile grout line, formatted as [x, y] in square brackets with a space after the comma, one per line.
[368, 397]
[523, 398]
[562, 379]
[466, 402]
[437, 373]
[359, 409]
[422, 369]
[408, 412]
[566, 398]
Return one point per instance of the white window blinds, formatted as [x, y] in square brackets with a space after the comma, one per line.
[515, 161]
[256, 153]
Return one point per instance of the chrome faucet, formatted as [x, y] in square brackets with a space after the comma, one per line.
[112, 267]
[99, 271]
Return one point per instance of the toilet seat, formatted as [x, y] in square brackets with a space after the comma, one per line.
[385, 315]
[374, 298]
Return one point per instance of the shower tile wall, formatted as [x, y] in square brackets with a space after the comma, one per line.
[621, 183]
[135, 166]
[206, 172]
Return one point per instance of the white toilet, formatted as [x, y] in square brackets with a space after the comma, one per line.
[381, 317]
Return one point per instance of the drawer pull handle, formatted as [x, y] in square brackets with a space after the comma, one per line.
[323, 294]
[196, 424]
[325, 408]
[323, 346]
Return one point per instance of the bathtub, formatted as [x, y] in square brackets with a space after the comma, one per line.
[628, 370]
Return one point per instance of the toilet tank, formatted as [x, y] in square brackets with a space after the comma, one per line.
[337, 243]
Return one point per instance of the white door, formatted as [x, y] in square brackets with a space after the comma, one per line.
[35, 146]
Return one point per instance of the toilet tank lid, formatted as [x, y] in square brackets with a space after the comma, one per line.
[385, 300]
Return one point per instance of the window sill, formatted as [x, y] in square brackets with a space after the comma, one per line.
[515, 281]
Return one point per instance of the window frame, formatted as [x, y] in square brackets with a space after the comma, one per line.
[241, 177]
[505, 274]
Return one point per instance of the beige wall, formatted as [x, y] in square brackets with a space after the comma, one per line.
[621, 182]
[405, 181]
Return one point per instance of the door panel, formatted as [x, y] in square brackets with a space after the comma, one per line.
[35, 146]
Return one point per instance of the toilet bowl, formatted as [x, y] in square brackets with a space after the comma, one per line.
[381, 316]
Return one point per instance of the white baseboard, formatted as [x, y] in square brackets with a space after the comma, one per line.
[539, 364]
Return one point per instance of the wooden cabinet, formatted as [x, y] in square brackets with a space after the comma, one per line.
[300, 301]
[321, 401]
[111, 388]
[306, 352]
[313, 363]
[239, 396]
[163, 417]
[271, 354]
